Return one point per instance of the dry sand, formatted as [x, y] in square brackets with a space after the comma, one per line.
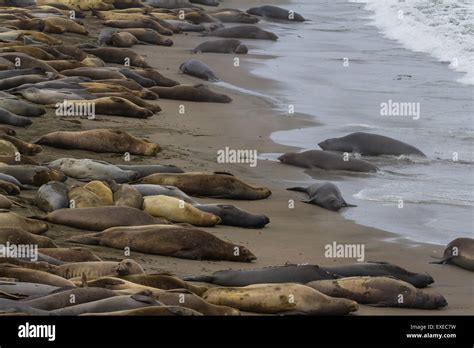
[191, 141]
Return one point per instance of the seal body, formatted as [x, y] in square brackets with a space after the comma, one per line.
[233, 216]
[198, 69]
[325, 195]
[244, 32]
[52, 196]
[222, 46]
[460, 252]
[275, 12]
[196, 93]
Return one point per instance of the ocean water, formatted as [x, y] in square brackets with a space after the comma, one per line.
[351, 58]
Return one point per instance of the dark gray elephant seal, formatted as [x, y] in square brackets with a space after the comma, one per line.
[460, 252]
[222, 46]
[244, 32]
[7, 117]
[326, 195]
[198, 69]
[370, 145]
[327, 161]
[233, 216]
[380, 269]
[301, 274]
[52, 196]
[148, 169]
[269, 11]
[21, 108]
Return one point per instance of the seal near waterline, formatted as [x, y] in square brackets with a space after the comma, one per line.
[300, 274]
[100, 218]
[280, 298]
[32, 175]
[165, 282]
[269, 11]
[168, 240]
[33, 276]
[147, 35]
[209, 185]
[234, 16]
[370, 145]
[87, 169]
[175, 210]
[123, 39]
[7, 117]
[127, 196]
[52, 196]
[100, 140]
[233, 216]
[148, 169]
[9, 219]
[21, 108]
[222, 46]
[327, 161]
[17, 236]
[74, 254]
[118, 56]
[459, 252]
[96, 269]
[379, 291]
[155, 190]
[243, 32]
[326, 195]
[102, 190]
[196, 68]
[377, 269]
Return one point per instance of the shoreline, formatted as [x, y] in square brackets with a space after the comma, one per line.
[294, 235]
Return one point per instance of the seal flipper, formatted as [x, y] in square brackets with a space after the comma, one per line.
[441, 261]
[298, 189]
[348, 205]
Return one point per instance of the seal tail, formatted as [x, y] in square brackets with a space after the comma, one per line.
[199, 278]
[297, 189]
[348, 205]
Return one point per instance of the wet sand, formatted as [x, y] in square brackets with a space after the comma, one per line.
[191, 141]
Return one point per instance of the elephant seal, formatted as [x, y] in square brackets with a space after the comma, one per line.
[21, 108]
[142, 81]
[168, 240]
[7, 148]
[115, 106]
[76, 254]
[123, 39]
[233, 216]
[459, 252]
[7, 130]
[198, 69]
[243, 32]
[94, 73]
[9, 219]
[127, 196]
[20, 72]
[148, 169]
[23, 147]
[14, 160]
[326, 161]
[234, 16]
[169, 4]
[147, 35]
[33, 276]
[96, 269]
[33, 175]
[47, 97]
[154, 108]
[100, 140]
[19, 236]
[101, 218]
[5, 203]
[52, 196]
[149, 311]
[209, 185]
[158, 78]
[222, 46]
[8, 188]
[110, 304]
[206, 2]
[16, 81]
[326, 195]
[155, 190]
[269, 11]
[145, 22]
[7, 117]
[381, 269]
[370, 145]
[102, 190]
[195, 93]
[277, 274]
[164, 281]
[62, 299]
[80, 197]
[26, 289]
[10, 183]
[176, 210]
[64, 25]
[280, 298]
[118, 56]
[87, 169]
[379, 291]
[185, 26]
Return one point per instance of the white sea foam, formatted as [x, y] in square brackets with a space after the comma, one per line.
[441, 28]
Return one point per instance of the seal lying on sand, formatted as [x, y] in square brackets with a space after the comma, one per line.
[198, 69]
[278, 274]
[269, 11]
[460, 252]
[233, 216]
[325, 194]
[95, 269]
[17, 236]
[243, 32]
[169, 240]
[209, 185]
[222, 46]
[195, 93]
[370, 145]
[286, 298]
[326, 160]
[9, 219]
[379, 291]
[52, 196]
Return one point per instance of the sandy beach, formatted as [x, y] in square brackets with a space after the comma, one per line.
[191, 141]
